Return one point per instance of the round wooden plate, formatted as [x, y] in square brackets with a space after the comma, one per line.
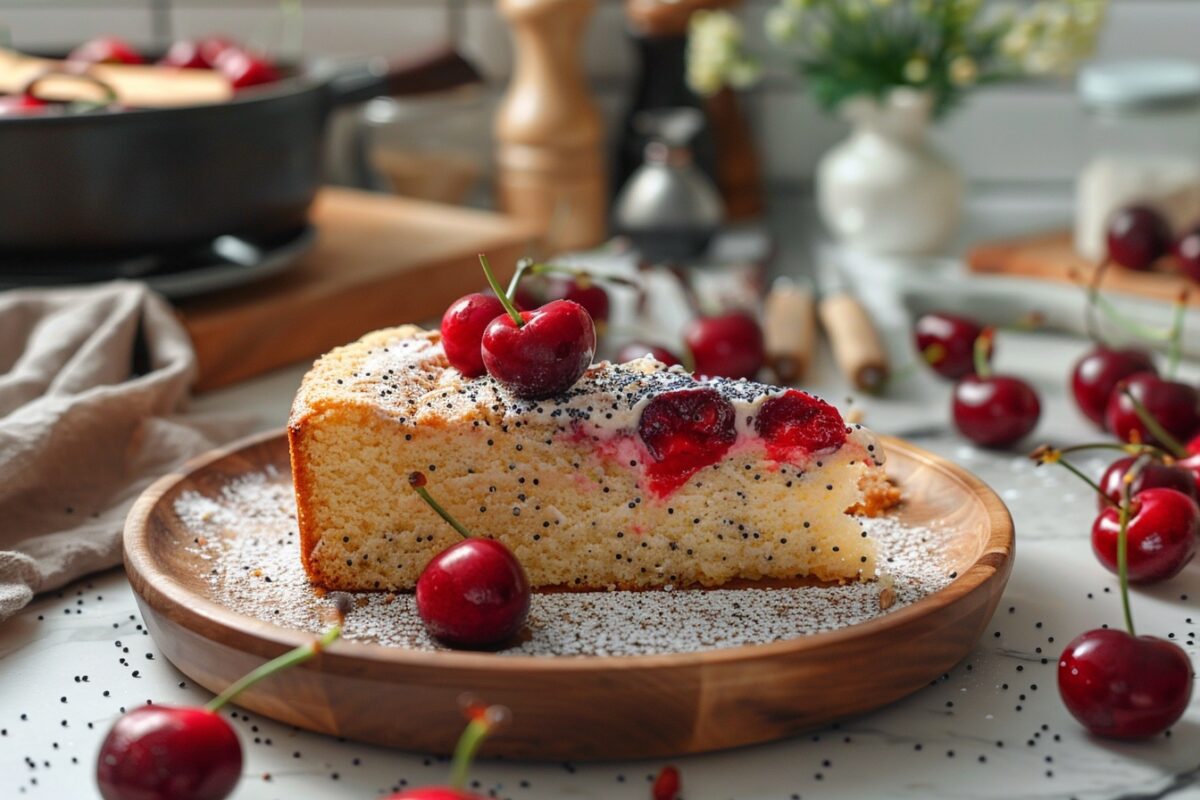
[576, 707]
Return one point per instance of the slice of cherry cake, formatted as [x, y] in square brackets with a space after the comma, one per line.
[639, 475]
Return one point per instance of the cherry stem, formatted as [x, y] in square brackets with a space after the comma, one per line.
[1175, 341]
[528, 266]
[983, 346]
[1050, 455]
[1098, 301]
[505, 301]
[1123, 540]
[417, 481]
[289, 659]
[1093, 297]
[1154, 426]
[482, 722]
[933, 353]
[1128, 447]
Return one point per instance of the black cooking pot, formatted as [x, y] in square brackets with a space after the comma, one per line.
[173, 178]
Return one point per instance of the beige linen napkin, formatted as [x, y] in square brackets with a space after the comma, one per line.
[93, 392]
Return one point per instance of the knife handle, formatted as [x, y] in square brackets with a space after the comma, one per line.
[789, 330]
[859, 353]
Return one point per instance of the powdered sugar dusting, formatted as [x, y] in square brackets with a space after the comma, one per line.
[246, 538]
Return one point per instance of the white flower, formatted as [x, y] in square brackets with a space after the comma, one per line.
[963, 71]
[1053, 36]
[916, 70]
[782, 24]
[715, 57]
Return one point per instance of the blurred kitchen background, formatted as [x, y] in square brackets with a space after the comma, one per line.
[1027, 134]
[905, 213]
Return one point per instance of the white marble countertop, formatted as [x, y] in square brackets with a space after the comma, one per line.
[993, 727]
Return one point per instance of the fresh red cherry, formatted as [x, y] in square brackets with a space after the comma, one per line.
[105, 50]
[540, 353]
[245, 69]
[1163, 526]
[1174, 405]
[584, 291]
[462, 331]
[1124, 687]
[1187, 253]
[473, 593]
[166, 753]
[728, 346]
[185, 54]
[636, 350]
[1152, 475]
[546, 354]
[684, 431]
[995, 411]
[435, 793]
[798, 422]
[1097, 373]
[947, 343]
[1137, 236]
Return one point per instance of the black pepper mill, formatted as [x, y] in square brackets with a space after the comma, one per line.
[723, 148]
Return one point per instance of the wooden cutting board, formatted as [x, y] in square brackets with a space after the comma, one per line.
[378, 261]
[1052, 256]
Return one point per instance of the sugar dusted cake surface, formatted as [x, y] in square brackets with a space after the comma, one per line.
[567, 483]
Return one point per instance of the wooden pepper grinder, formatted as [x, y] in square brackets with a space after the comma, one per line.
[549, 133]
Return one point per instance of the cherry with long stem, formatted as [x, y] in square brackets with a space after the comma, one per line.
[475, 592]
[482, 722]
[289, 659]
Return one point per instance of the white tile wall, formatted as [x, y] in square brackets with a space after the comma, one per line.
[328, 30]
[1009, 133]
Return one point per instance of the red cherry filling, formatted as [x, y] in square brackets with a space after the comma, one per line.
[685, 431]
[795, 421]
[1163, 525]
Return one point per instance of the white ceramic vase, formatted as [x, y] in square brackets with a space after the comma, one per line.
[885, 189]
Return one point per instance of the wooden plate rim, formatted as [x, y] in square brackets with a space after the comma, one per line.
[197, 613]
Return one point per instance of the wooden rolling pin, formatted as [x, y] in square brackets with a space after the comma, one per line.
[789, 329]
[859, 353]
[137, 86]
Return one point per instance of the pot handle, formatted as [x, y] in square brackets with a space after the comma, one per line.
[432, 71]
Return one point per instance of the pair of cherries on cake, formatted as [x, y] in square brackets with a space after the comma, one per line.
[475, 593]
